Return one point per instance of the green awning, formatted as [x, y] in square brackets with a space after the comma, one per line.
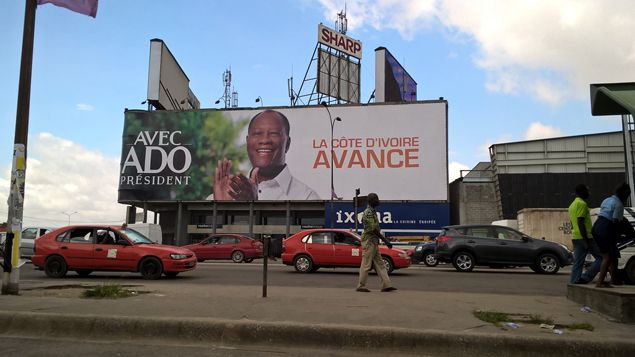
[613, 98]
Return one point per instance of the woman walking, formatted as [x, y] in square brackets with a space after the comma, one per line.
[606, 232]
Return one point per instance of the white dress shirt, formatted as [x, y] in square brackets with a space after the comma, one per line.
[285, 187]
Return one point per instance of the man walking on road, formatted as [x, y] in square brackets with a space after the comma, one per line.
[581, 238]
[370, 246]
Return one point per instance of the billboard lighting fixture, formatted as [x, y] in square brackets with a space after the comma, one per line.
[259, 100]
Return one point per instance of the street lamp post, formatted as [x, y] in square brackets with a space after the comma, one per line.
[332, 121]
[69, 216]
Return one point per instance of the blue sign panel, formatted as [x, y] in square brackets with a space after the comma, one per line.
[395, 218]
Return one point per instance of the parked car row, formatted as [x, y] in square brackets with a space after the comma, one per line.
[85, 249]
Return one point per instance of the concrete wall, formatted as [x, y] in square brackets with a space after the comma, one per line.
[473, 203]
[551, 223]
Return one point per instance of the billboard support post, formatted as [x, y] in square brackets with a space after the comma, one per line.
[356, 206]
[331, 147]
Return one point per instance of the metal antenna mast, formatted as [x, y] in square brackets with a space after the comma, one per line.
[230, 98]
[308, 93]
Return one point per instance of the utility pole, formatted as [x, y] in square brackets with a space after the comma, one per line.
[11, 276]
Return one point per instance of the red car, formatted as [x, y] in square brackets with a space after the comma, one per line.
[227, 246]
[85, 249]
[311, 249]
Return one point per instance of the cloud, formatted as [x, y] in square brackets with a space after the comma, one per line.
[85, 107]
[547, 49]
[63, 176]
[454, 170]
[483, 149]
[538, 130]
[407, 17]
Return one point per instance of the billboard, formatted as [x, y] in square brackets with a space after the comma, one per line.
[339, 41]
[392, 81]
[168, 86]
[338, 77]
[395, 218]
[398, 151]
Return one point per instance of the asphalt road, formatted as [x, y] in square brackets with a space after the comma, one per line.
[443, 278]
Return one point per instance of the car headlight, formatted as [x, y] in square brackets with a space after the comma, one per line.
[564, 247]
[403, 255]
[418, 248]
[178, 256]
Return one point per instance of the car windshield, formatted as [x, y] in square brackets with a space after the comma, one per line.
[136, 237]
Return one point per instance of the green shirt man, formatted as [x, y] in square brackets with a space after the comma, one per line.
[371, 225]
[580, 209]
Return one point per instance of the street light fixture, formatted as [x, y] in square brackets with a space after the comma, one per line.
[332, 121]
[69, 216]
[259, 100]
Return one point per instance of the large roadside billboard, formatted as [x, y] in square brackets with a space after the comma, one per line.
[398, 151]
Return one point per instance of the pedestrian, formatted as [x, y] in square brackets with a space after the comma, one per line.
[370, 247]
[581, 238]
[606, 230]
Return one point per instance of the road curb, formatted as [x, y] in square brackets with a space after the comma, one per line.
[287, 334]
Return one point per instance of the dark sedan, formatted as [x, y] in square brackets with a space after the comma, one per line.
[471, 245]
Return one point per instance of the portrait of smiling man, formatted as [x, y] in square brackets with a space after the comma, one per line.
[270, 178]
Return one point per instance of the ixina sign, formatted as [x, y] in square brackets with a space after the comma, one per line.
[340, 42]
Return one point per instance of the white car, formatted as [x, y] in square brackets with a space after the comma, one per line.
[626, 263]
[29, 235]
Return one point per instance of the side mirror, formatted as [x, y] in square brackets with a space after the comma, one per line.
[357, 243]
[122, 241]
[526, 239]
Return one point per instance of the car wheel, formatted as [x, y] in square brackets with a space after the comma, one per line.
[629, 271]
[83, 272]
[303, 264]
[238, 256]
[547, 263]
[248, 260]
[171, 274]
[55, 267]
[463, 261]
[388, 264]
[151, 268]
[430, 259]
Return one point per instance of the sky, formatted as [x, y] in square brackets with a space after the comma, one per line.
[510, 70]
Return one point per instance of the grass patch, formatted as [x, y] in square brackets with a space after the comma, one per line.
[108, 291]
[537, 320]
[581, 326]
[493, 317]
[498, 318]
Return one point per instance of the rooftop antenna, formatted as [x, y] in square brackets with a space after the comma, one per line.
[341, 24]
[234, 99]
[227, 92]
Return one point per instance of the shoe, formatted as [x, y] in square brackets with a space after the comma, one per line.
[362, 290]
[390, 288]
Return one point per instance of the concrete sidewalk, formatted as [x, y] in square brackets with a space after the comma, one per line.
[402, 321]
